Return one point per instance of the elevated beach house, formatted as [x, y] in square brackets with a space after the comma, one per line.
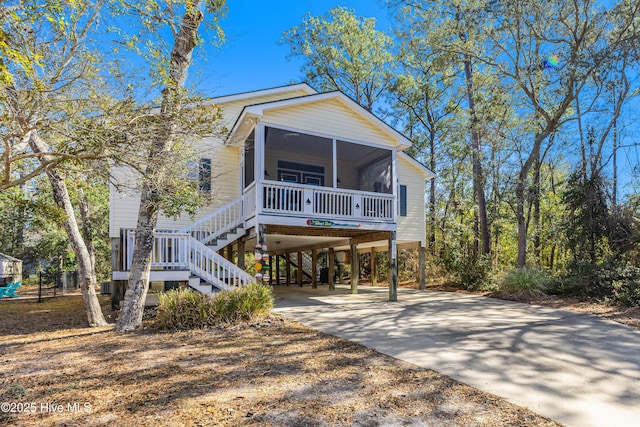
[302, 175]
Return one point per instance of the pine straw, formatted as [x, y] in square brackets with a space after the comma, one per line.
[276, 373]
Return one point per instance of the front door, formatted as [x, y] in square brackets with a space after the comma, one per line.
[300, 173]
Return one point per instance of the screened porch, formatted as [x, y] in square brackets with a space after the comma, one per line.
[318, 177]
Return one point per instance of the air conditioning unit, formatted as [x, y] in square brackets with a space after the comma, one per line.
[105, 288]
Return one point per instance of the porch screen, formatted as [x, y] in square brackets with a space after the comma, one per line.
[364, 168]
[249, 160]
[298, 157]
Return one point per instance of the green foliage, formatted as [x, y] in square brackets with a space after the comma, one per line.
[14, 392]
[138, 27]
[247, 303]
[14, 215]
[626, 286]
[471, 273]
[587, 223]
[183, 308]
[583, 278]
[95, 227]
[382, 264]
[343, 52]
[611, 280]
[526, 282]
[32, 226]
[604, 242]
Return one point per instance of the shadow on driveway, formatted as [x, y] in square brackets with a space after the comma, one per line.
[578, 369]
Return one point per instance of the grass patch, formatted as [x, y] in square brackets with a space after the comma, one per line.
[249, 303]
[14, 391]
[183, 309]
[524, 283]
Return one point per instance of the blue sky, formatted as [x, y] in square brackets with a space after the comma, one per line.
[251, 58]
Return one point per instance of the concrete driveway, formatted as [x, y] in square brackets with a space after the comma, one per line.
[577, 369]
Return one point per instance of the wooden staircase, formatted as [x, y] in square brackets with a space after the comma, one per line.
[307, 262]
[210, 271]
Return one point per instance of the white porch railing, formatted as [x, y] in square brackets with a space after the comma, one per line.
[217, 222]
[169, 250]
[214, 268]
[249, 203]
[304, 200]
[182, 251]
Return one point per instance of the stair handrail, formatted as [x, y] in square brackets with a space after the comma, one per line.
[307, 262]
[216, 223]
[203, 261]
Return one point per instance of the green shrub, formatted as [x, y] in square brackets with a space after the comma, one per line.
[626, 286]
[186, 309]
[248, 303]
[526, 282]
[583, 278]
[612, 281]
[472, 273]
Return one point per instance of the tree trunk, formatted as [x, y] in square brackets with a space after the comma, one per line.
[536, 209]
[86, 273]
[495, 173]
[478, 181]
[521, 188]
[614, 178]
[583, 154]
[553, 191]
[522, 225]
[21, 224]
[87, 234]
[132, 310]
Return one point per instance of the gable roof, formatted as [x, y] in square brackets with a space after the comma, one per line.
[305, 87]
[4, 257]
[428, 173]
[252, 113]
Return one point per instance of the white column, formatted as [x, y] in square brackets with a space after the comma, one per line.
[393, 267]
[395, 183]
[258, 164]
[335, 164]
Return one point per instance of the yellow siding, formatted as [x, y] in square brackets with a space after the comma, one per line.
[225, 187]
[329, 118]
[231, 110]
[412, 227]
[347, 174]
[225, 173]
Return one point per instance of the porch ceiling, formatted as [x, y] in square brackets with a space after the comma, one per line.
[281, 239]
[282, 243]
[300, 143]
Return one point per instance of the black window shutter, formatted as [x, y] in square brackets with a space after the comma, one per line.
[403, 200]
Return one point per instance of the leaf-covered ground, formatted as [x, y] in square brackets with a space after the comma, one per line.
[276, 373]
